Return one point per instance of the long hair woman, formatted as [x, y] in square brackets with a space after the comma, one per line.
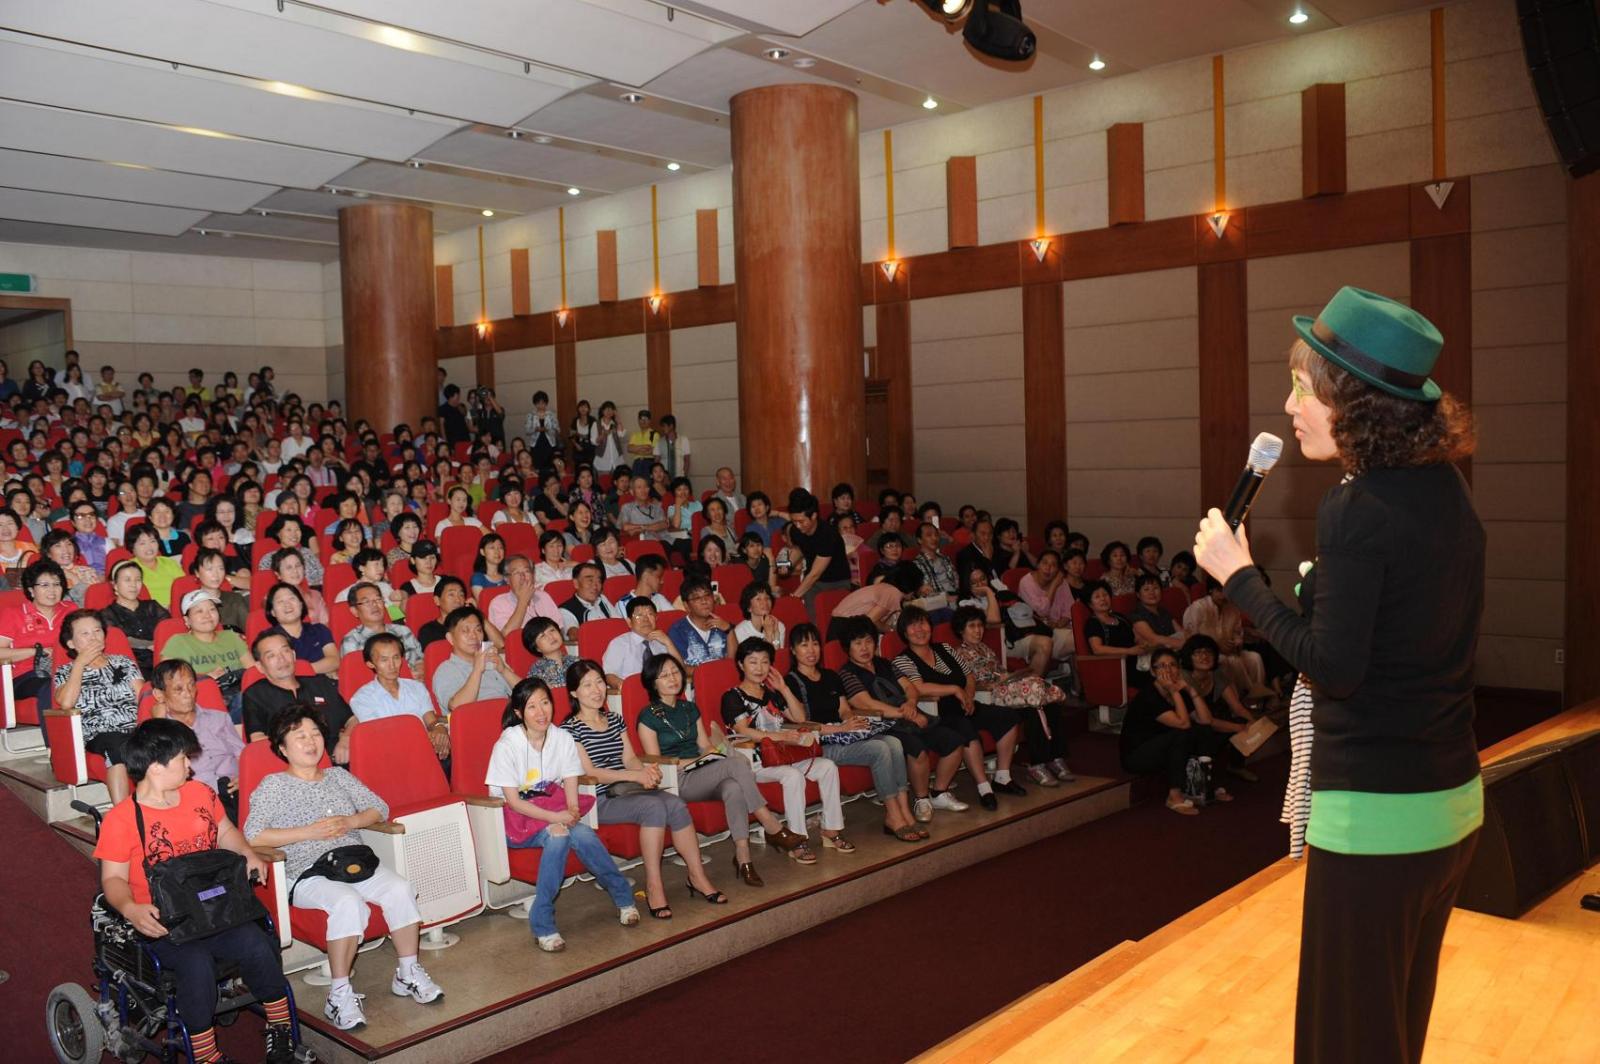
[1385, 653]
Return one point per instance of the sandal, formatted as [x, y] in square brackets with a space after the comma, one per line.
[716, 897]
[662, 912]
[1221, 795]
[839, 842]
[903, 834]
[802, 854]
[786, 840]
[551, 943]
[746, 871]
[1183, 808]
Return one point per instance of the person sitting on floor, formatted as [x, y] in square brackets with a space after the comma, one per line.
[1166, 725]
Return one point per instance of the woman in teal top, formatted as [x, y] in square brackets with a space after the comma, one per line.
[1386, 648]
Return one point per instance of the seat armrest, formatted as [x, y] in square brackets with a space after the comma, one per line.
[661, 759]
[483, 800]
[270, 854]
[274, 894]
[386, 827]
[804, 725]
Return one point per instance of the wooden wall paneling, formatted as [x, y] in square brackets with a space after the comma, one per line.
[1125, 173]
[1583, 438]
[961, 201]
[658, 359]
[1376, 216]
[703, 306]
[1234, 243]
[510, 334]
[891, 363]
[1044, 403]
[975, 269]
[521, 283]
[1455, 216]
[1137, 248]
[708, 267]
[386, 270]
[605, 261]
[483, 362]
[1441, 290]
[444, 296]
[1322, 140]
[1031, 269]
[1224, 378]
[566, 351]
[624, 317]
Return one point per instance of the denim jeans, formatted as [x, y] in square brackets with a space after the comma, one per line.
[553, 866]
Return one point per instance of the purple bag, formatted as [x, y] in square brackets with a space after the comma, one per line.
[520, 827]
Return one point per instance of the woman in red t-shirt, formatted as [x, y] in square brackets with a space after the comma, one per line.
[182, 816]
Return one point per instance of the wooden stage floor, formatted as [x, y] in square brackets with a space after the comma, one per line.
[1218, 984]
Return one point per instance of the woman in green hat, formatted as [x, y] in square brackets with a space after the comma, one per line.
[1385, 649]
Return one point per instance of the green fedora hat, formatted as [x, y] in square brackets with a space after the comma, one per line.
[1380, 340]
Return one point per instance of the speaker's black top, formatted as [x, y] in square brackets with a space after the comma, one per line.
[1390, 631]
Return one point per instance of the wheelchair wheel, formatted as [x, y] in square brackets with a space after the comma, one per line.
[74, 1025]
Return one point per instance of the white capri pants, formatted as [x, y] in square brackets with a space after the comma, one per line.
[346, 903]
[792, 778]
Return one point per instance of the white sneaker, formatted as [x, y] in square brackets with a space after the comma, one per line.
[343, 1009]
[1041, 775]
[922, 809]
[416, 986]
[1063, 773]
[950, 803]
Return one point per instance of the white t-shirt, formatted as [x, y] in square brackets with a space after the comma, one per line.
[292, 448]
[444, 523]
[515, 763]
[117, 526]
[745, 630]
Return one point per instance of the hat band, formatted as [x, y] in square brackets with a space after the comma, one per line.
[1364, 362]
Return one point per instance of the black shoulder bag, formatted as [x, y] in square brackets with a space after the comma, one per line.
[199, 894]
[342, 864]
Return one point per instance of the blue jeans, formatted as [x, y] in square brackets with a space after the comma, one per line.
[552, 869]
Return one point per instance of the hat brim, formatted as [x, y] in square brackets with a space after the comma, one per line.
[1425, 394]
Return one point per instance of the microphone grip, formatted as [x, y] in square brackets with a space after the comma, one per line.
[1244, 494]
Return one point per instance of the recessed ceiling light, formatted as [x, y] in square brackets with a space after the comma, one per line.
[1299, 17]
[359, 195]
[574, 192]
[487, 213]
[631, 97]
[1097, 63]
[415, 164]
[674, 167]
[954, 9]
[930, 104]
[541, 139]
[514, 134]
[776, 53]
[805, 62]
[263, 212]
[203, 232]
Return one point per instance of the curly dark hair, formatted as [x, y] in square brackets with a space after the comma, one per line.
[1375, 429]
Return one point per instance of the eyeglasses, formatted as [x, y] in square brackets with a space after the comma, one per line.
[1301, 392]
[87, 515]
[1167, 666]
[43, 585]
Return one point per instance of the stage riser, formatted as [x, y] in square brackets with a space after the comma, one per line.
[582, 1000]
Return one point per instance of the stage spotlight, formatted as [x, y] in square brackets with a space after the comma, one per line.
[949, 10]
[995, 28]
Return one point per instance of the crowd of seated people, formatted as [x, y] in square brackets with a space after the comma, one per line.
[246, 537]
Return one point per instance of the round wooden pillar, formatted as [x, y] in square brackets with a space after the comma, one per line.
[797, 250]
[386, 281]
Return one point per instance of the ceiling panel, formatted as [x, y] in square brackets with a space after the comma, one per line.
[1183, 29]
[283, 226]
[630, 41]
[88, 177]
[155, 92]
[542, 162]
[58, 132]
[249, 37]
[30, 206]
[770, 16]
[439, 187]
[328, 205]
[20, 232]
[712, 78]
[593, 118]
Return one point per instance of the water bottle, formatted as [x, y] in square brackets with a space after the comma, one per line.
[1197, 780]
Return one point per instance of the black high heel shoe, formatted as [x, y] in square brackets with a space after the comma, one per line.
[716, 897]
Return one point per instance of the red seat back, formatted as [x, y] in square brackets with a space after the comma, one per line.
[432, 657]
[732, 580]
[595, 636]
[393, 756]
[824, 605]
[791, 611]
[474, 728]
[256, 762]
[165, 630]
[617, 586]
[635, 549]
[712, 680]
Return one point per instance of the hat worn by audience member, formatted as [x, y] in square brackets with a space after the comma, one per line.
[195, 597]
[1380, 340]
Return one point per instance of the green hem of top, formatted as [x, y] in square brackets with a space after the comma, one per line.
[1368, 823]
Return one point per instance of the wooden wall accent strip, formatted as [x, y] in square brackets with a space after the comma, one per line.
[622, 318]
[708, 268]
[1159, 245]
[521, 284]
[567, 377]
[1441, 290]
[483, 365]
[1376, 216]
[658, 369]
[444, 296]
[605, 261]
[1583, 436]
[1125, 173]
[1322, 140]
[1044, 403]
[703, 306]
[892, 364]
[1454, 217]
[1224, 398]
[960, 205]
[976, 269]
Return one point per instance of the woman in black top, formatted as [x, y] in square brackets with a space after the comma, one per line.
[136, 617]
[1109, 634]
[1386, 660]
[1167, 724]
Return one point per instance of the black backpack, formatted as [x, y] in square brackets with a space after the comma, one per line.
[199, 894]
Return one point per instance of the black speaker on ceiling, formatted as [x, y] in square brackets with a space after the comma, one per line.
[1561, 40]
[1541, 826]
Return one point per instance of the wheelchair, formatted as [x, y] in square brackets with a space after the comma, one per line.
[136, 1013]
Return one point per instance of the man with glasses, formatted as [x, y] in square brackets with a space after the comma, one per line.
[92, 545]
[700, 635]
[31, 630]
[372, 614]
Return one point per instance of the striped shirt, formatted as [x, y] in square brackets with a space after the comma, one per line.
[603, 747]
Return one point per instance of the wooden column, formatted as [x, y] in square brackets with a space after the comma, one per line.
[708, 267]
[1224, 398]
[1441, 290]
[893, 366]
[961, 201]
[444, 296]
[605, 264]
[1125, 173]
[658, 360]
[566, 348]
[387, 283]
[521, 286]
[1044, 403]
[1583, 438]
[797, 252]
[1322, 147]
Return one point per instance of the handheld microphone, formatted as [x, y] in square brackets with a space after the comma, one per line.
[1264, 454]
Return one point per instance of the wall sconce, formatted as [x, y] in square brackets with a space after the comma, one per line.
[889, 268]
[1218, 222]
[482, 328]
[655, 304]
[1040, 246]
[561, 317]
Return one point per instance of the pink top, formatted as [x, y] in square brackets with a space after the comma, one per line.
[864, 600]
[1050, 609]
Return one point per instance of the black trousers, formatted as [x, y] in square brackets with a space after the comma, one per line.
[1369, 952]
[1169, 753]
[195, 964]
[1038, 746]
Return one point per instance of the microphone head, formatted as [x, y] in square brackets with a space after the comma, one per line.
[1264, 453]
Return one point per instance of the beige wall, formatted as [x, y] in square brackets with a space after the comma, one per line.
[43, 338]
[966, 401]
[166, 313]
[1133, 428]
[517, 375]
[705, 399]
[614, 369]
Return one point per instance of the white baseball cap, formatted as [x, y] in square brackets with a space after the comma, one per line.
[199, 594]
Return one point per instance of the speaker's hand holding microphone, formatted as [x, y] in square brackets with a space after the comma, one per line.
[1221, 546]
